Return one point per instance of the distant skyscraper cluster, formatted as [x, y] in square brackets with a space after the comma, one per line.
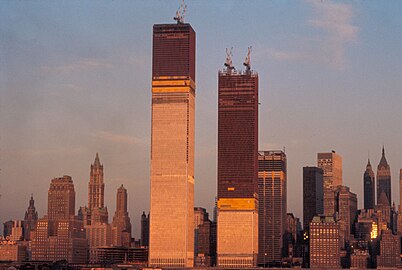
[251, 226]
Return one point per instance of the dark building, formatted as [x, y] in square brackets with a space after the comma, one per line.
[30, 220]
[384, 178]
[173, 52]
[237, 166]
[7, 228]
[313, 194]
[112, 255]
[144, 230]
[272, 218]
[369, 187]
[237, 135]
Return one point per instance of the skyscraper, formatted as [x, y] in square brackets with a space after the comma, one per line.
[60, 235]
[369, 187]
[121, 225]
[313, 194]
[31, 217]
[144, 230]
[96, 193]
[172, 145]
[384, 178]
[331, 164]
[61, 198]
[237, 243]
[272, 209]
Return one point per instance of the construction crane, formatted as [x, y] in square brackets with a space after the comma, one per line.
[228, 64]
[247, 61]
[181, 13]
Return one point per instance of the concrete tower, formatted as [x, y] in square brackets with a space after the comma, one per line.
[369, 187]
[237, 243]
[384, 178]
[171, 239]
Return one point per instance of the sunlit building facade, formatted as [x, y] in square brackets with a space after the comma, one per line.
[172, 146]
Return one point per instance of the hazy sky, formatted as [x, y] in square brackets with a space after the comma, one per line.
[75, 79]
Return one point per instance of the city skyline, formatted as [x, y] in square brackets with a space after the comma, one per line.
[57, 108]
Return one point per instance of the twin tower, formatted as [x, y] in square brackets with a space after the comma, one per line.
[171, 241]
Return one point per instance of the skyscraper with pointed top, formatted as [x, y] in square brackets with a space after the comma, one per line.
[30, 220]
[399, 223]
[121, 225]
[369, 187]
[171, 239]
[384, 178]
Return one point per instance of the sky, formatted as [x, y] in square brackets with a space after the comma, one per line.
[75, 79]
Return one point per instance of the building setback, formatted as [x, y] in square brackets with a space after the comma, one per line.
[313, 194]
[237, 215]
[121, 225]
[272, 217]
[369, 187]
[172, 146]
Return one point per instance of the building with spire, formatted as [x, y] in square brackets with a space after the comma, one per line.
[399, 223]
[30, 220]
[171, 239]
[369, 187]
[384, 178]
[237, 225]
[121, 225]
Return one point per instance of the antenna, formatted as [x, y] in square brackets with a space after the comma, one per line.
[228, 64]
[181, 13]
[247, 61]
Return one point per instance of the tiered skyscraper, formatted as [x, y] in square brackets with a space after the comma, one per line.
[171, 239]
[369, 187]
[272, 218]
[384, 178]
[237, 243]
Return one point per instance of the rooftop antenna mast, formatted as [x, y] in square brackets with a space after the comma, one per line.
[181, 13]
[247, 61]
[228, 64]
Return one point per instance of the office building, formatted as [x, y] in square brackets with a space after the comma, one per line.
[313, 194]
[390, 250]
[272, 209]
[384, 178]
[12, 251]
[331, 164]
[237, 206]
[121, 225]
[172, 145]
[60, 235]
[399, 230]
[369, 187]
[324, 243]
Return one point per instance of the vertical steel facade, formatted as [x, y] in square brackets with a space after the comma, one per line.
[171, 240]
[272, 207]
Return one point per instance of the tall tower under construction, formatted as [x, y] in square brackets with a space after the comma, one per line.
[237, 243]
[171, 239]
